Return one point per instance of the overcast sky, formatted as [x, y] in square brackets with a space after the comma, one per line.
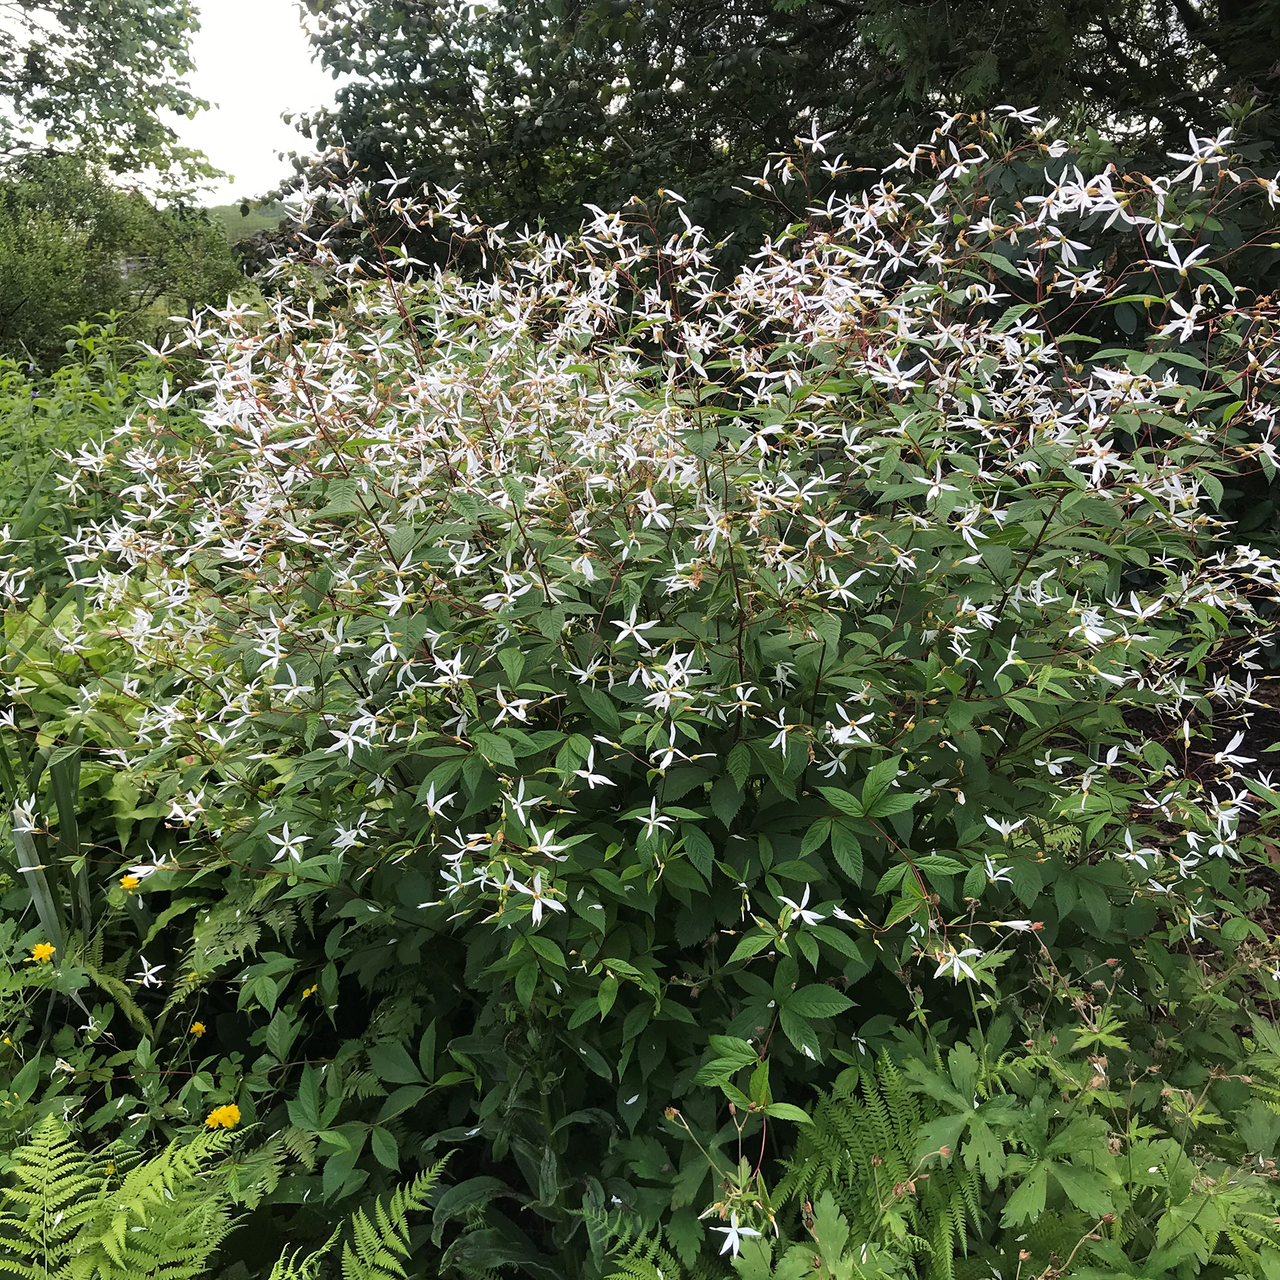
[253, 62]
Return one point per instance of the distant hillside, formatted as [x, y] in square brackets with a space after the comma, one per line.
[238, 227]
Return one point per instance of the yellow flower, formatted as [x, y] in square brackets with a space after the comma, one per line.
[42, 953]
[310, 991]
[129, 882]
[198, 1029]
[223, 1117]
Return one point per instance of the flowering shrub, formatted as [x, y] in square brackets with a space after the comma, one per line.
[528, 714]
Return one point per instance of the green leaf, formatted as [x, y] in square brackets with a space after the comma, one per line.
[390, 1061]
[427, 1052]
[401, 541]
[551, 622]
[816, 836]
[697, 844]
[515, 490]
[1085, 1189]
[526, 982]
[847, 850]
[408, 1095]
[304, 1110]
[902, 910]
[984, 1150]
[879, 778]
[495, 749]
[892, 878]
[831, 1234]
[726, 800]
[800, 1033]
[1236, 928]
[512, 661]
[975, 882]
[843, 801]
[601, 706]
[817, 1001]
[25, 1082]
[834, 938]
[731, 1056]
[588, 1009]
[280, 1035]
[734, 1047]
[385, 1149]
[48, 907]
[785, 1111]
[546, 949]
[1095, 899]
[775, 766]
[885, 806]
[940, 865]
[739, 764]
[1027, 1201]
[751, 945]
[607, 993]
[465, 504]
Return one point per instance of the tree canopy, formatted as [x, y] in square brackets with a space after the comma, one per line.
[535, 107]
[96, 75]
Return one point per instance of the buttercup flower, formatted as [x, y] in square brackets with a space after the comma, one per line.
[223, 1117]
[198, 1029]
[42, 953]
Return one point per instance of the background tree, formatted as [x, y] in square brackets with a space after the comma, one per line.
[535, 107]
[96, 75]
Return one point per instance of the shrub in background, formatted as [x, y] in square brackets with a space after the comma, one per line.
[569, 718]
[73, 245]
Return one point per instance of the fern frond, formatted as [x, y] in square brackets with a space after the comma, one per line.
[50, 1201]
[111, 1216]
[861, 1147]
[378, 1244]
[294, 1267]
[646, 1259]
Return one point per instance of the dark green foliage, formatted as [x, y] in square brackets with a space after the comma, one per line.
[751, 767]
[534, 108]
